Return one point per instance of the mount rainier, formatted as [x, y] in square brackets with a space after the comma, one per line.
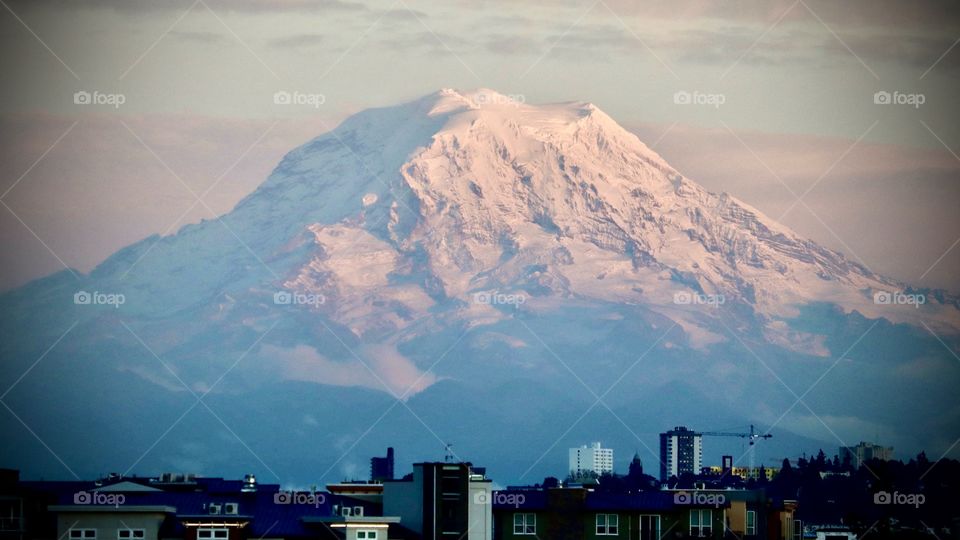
[467, 269]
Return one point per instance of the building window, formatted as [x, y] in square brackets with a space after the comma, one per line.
[751, 522]
[649, 527]
[525, 524]
[83, 534]
[130, 534]
[212, 534]
[701, 523]
[608, 524]
[797, 529]
[366, 535]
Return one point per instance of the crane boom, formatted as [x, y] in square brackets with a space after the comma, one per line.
[752, 436]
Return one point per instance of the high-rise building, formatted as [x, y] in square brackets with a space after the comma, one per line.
[381, 468]
[681, 451]
[591, 459]
[864, 452]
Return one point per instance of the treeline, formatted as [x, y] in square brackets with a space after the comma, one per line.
[878, 496]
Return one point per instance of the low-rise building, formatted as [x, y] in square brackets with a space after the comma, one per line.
[578, 513]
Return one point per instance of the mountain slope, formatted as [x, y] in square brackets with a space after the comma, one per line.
[463, 240]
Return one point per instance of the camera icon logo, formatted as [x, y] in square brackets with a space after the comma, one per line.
[682, 298]
[682, 98]
[481, 497]
[882, 97]
[81, 497]
[82, 298]
[881, 497]
[681, 497]
[282, 98]
[882, 298]
[282, 497]
[282, 298]
[82, 97]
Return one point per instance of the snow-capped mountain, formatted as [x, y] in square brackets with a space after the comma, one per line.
[444, 250]
[542, 202]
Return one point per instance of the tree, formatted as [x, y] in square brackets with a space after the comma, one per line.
[847, 465]
[821, 461]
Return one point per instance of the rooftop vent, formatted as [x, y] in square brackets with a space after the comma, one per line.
[249, 483]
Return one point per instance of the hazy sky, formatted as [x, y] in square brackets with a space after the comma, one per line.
[787, 120]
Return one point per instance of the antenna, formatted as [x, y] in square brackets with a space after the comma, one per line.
[448, 453]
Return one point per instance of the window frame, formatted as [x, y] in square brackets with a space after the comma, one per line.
[703, 530]
[610, 526]
[133, 536]
[527, 525]
[366, 534]
[750, 526]
[83, 535]
[213, 533]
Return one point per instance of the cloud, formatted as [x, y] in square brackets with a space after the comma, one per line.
[256, 6]
[385, 369]
[200, 37]
[887, 13]
[426, 41]
[297, 41]
[920, 51]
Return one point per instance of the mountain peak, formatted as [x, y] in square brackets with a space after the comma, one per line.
[463, 191]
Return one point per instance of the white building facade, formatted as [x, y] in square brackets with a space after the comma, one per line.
[591, 459]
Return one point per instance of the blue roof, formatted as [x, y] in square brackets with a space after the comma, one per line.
[519, 499]
[645, 500]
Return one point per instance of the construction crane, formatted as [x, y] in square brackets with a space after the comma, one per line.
[752, 437]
